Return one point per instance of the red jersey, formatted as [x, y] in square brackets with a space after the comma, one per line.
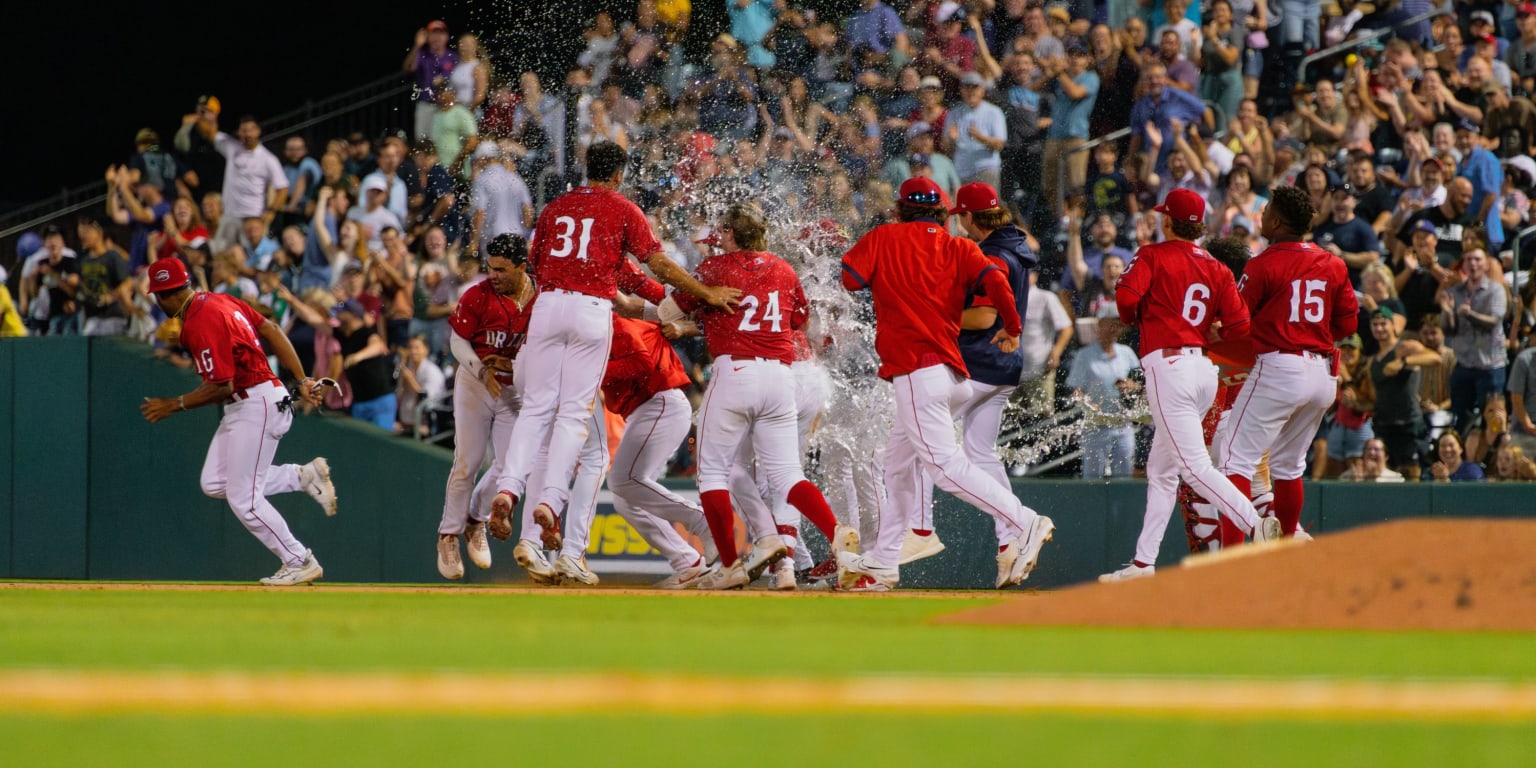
[637, 283]
[1174, 291]
[220, 332]
[491, 323]
[1301, 299]
[641, 363]
[918, 276]
[581, 239]
[772, 306]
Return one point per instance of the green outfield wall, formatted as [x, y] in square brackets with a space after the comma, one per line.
[89, 490]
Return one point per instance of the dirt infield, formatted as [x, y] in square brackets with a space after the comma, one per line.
[480, 589]
[1464, 575]
[321, 694]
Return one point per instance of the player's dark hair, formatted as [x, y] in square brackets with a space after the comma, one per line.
[1187, 230]
[1294, 207]
[513, 248]
[906, 211]
[604, 159]
[748, 225]
[1230, 251]
[992, 218]
[249, 119]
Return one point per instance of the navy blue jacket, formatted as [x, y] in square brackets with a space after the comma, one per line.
[982, 358]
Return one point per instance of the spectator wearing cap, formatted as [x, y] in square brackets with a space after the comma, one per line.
[877, 27]
[1472, 314]
[432, 63]
[1480, 167]
[1048, 45]
[365, 358]
[949, 52]
[1509, 124]
[194, 142]
[930, 109]
[1481, 26]
[391, 155]
[1447, 222]
[921, 154]
[499, 200]
[1347, 236]
[159, 167]
[976, 133]
[1154, 113]
[751, 21]
[371, 213]
[1520, 55]
[1074, 89]
[359, 158]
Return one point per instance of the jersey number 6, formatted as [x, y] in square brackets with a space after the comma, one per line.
[567, 227]
[1194, 303]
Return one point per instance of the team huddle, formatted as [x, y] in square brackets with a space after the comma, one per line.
[569, 325]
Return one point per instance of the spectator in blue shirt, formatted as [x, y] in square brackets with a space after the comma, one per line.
[1453, 465]
[1159, 107]
[1480, 167]
[303, 174]
[750, 22]
[1101, 377]
[1074, 89]
[878, 28]
[976, 134]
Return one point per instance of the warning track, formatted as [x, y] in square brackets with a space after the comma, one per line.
[75, 692]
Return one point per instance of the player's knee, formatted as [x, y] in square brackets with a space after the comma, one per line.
[213, 487]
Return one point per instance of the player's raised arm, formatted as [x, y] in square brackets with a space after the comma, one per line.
[667, 271]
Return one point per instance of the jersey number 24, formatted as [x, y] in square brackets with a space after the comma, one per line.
[771, 314]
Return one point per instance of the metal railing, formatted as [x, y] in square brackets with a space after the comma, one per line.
[370, 107]
[1358, 42]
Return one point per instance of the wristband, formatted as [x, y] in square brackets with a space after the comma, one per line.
[181, 402]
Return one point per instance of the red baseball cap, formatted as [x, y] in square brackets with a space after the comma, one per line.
[1525, 9]
[975, 197]
[437, 25]
[920, 190]
[167, 275]
[1183, 205]
[711, 239]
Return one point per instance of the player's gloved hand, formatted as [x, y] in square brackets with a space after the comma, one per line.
[1005, 343]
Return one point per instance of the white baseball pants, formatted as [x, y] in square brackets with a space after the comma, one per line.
[479, 422]
[1278, 411]
[923, 439]
[811, 388]
[1180, 389]
[239, 468]
[980, 413]
[591, 468]
[558, 373]
[651, 435]
[750, 401]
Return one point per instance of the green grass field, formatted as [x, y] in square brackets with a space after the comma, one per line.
[815, 640]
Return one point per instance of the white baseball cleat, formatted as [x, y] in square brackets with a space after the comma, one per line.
[477, 545]
[915, 547]
[766, 551]
[544, 516]
[733, 577]
[845, 538]
[448, 562]
[573, 570]
[857, 573]
[688, 578]
[316, 479]
[531, 559]
[290, 575]
[1130, 572]
[1023, 552]
[1301, 534]
[783, 579]
[1267, 530]
[700, 528]
[500, 524]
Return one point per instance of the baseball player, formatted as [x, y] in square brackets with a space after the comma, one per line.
[224, 336]
[1302, 302]
[1176, 293]
[993, 373]
[919, 277]
[488, 326]
[578, 251]
[751, 393]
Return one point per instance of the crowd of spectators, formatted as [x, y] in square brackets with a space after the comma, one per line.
[1415, 148]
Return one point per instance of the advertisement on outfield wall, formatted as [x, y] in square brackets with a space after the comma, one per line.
[617, 549]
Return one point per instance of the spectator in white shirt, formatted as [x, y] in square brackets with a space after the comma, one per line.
[372, 214]
[499, 198]
[254, 182]
[419, 381]
[391, 154]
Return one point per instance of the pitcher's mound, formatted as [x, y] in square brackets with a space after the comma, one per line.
[1467, 574]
